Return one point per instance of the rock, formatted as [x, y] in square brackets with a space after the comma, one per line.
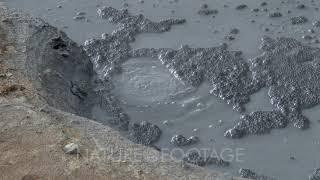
[144, 133]
[71, 148]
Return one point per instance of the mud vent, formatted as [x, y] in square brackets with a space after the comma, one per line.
[146, 81]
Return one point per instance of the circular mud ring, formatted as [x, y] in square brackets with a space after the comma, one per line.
[145, 81]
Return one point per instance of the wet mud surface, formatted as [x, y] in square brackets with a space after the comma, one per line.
[191, 75]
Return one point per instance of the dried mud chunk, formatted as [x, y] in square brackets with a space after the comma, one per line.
[316, 23]
[206, 12]
[218, 162]
[301, 6]
[144, 133]
[179, 140]
[137, 23]
[291, 70]
[241, 7]
[234, 31]
[195, 158]
[298, 20]
[315, 175]
[247, 173]
[259, 122]
[275, 14]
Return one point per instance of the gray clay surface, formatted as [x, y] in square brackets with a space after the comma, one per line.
[195, 69]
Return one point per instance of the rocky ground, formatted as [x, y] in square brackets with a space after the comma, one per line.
[36, 138]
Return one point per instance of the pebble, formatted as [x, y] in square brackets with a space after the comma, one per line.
[81, 13]
[71, 148]
[275, 14]
[241, 7]
[234, 31]
[264, 4]
[78, 17]
[166, 122]
[306, 37]
[301, 6]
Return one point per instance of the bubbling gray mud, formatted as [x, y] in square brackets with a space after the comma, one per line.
[226, 71]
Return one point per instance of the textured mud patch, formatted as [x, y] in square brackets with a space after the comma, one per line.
[179, 140]
[144, 133]
[291, 71]
[257, 123]
[247, 173]
[315, 175]
[225, 70]
[113, 49]
[194, 157]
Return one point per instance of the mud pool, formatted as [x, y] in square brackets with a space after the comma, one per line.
[151, 85]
